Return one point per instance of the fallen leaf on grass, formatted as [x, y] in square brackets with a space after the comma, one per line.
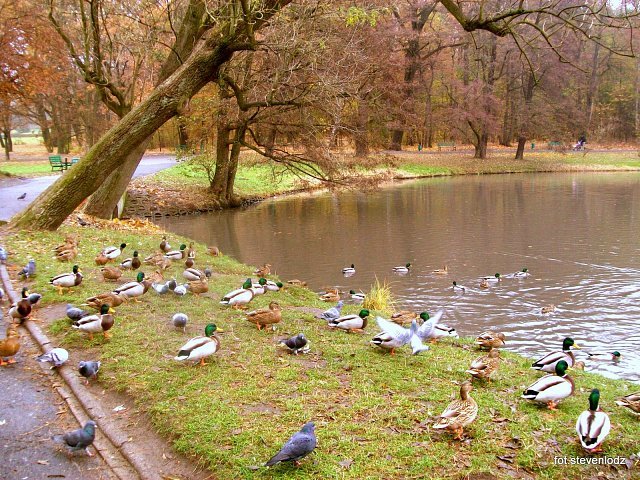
[42, 462]
[346, 463]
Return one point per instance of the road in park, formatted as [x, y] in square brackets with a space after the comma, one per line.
[12, 188]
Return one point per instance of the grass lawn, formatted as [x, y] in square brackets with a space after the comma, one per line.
[373, 411]
[26, 169]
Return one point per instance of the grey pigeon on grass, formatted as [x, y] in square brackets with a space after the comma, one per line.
[29, 270]
[89, 369]
[75, 313]
[296, 344]
[332, 313]
[57, 357]
[3, 255]
[180, 321]
[79, 439]
[297, 447]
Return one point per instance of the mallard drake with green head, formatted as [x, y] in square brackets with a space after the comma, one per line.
[348, 271]
[489, 340]
[548, 362]
[266, 316]
[201, 347]
[241, 296]
[351, 322]
[394, 336]
[273, 286]
[134, 289]
[21, 309]
[459, 413]
[402, 269]
[459, 288]
[551, 389]
[605, 356]
[132, 263]
[113, 252]
[593, 425]
[524, 273]
[99, 323]
[177, 254]
[492, 278]
[67, 280]
[486, 365]
[259, 287]
[359, 296]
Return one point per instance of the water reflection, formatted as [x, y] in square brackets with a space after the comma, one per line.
[577, 234]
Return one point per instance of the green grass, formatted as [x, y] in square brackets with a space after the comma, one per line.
[26, 169]
[373, 411]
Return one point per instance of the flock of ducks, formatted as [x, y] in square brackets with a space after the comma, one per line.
[592, 426]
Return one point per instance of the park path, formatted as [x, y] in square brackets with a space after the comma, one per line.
[12, 188]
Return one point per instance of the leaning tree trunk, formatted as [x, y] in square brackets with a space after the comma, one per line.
[522, 141]
[56, 203]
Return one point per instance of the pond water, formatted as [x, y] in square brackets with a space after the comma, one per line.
[578, 234]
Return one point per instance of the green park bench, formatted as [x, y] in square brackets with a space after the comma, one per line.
[57, 164]
[554, 145]
[451, 145]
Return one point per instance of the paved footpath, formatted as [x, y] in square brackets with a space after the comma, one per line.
[12, 188]
[30, 413]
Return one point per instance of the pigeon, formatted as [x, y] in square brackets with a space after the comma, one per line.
[207, 272]
[56, 356]
[34, 299]
[296, 344]
[89, 369]
[3, 255]
[426, 331]
[395, 336]
[29, 269]
[180, 290]
[75, 313]
[332, 313]
[79, 439]
[297, 447]
[23, 196]
[180, 321]
[160, 288]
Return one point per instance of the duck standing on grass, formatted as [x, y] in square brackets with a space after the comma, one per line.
[164, 245]
[459, 413]
[239, 297]
[548, 362]
[593, 425]
[132, 263]
[551, 389]
[134, 289]
[67, 280]
[111, 273]
[631, 401]
[266, 316]
[176, 254]
[488, 340]
[201, 347]
[113, 252]
[352, 322]
[99, 323]
[486, 365]
[21, 309]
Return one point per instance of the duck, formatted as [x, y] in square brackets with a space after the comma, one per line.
[67, 280]
[351, 322]
[266, 316]
[189, 262]
[548, 309]
[273, 286]
[113, 252]
[101, 259]
[458, 288]
[70, 241]
[10, 345]
[404, 317]
[298, 283]
[333, 312]
[191, 252]
[431, 328]
[198, 287]
[349, 270]
[459, 413]
[613, 356]
[67, 254]
[164, 245]
[488, 340]
[109, 298]
[132, 263]
[154, 258]
[484, 284]
[524, 273]
[179, 320]
[260, 287]
[493, 278]
[134, 289]
[593, 425]
[263, 271]
[331, 295]
[99, 323]
[485, 366]
[239, 297]
[296, 344]
[201, 347]
[359, 296]
[394, 336]
[549, 361]
[111, 273]
[551, 389]
[193, 274]
[444, 331]
[402, 269]
[631, 401]
[441, 271]
[176, 254]
[214, 251]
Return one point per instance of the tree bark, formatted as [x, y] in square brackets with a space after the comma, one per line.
[361, 134]
[50, 209]
[219, 184]
[522, 141]
[528, 89]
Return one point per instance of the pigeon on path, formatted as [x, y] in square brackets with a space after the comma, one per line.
[300, 445]
[57, 357]
[332, 313]
[29, 270]
[79, 439]
[89, 369]
[23, 196]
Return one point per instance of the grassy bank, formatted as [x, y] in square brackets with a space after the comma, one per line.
[373, 411]
[26, 169]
